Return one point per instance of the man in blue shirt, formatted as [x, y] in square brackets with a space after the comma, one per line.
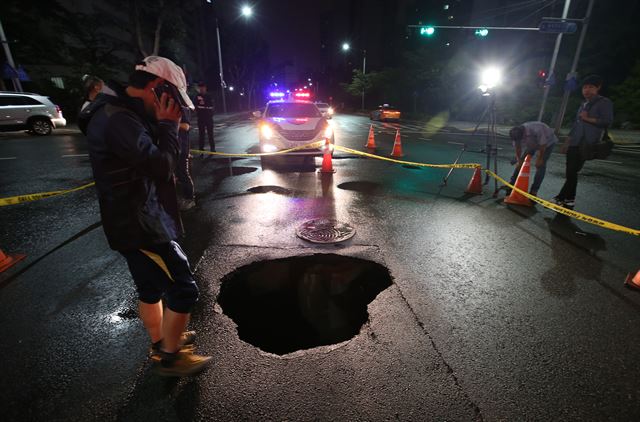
[533, 138]
[593, 118]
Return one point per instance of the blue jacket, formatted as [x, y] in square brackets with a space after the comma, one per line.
[133, 161]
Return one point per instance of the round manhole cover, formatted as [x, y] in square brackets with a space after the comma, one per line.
[323, 230]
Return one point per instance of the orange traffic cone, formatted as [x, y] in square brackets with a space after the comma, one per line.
[397, 146]
[371, 142]
[327, 163]
[522, 183]
[7, 261]
[475, 184]
[633, 281]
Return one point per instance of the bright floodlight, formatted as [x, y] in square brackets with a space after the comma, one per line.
[490, 77]
[247, 11]
[345, 46]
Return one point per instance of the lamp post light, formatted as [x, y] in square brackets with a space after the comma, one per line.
[246, 11]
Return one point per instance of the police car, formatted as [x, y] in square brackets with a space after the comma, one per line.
[289, 123]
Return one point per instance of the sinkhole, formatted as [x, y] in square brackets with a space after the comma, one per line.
[290, 304]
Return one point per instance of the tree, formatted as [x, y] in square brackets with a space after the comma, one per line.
[626, 97]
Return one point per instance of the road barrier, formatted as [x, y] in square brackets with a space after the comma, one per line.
[561, 210]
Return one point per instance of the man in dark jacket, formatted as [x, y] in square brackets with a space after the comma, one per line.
[593, 118]
[204, 111]
[133, 148]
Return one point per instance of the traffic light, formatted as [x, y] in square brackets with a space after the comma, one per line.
[542, 78]
[481, 32]
[427, 31]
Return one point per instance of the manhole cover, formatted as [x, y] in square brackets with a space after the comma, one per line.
[323, 230]
[285, 305]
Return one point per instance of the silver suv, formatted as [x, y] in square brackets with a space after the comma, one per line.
[33, 112]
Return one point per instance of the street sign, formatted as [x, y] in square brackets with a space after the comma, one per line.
[555, 27]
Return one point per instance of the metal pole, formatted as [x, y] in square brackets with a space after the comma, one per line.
[552, 66]
[5, 44]
[223, 85]
[364, 66]
[574, 66]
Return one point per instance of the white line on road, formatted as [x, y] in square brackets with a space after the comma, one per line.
[610, 162]
[8, 158]
[75, 155]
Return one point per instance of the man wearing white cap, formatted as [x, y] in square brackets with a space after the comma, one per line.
[133, 147]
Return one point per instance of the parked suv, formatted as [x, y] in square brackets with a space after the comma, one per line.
[33, 112]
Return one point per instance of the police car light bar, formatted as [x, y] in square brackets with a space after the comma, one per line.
[276, 94]
[302, 95]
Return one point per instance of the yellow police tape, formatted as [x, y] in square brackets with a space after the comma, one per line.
[570, 213]
[316, 144]
[13, 200]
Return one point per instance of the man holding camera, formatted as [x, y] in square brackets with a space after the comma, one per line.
[133, 147]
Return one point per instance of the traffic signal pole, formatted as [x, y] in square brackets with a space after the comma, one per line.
[552, 66]
[574, 66]
[7, 51]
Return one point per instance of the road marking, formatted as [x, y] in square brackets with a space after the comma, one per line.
[426, 139]
[75, 155]
[8, 158]
[610, 162]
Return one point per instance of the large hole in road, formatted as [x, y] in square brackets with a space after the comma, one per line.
[290, 304]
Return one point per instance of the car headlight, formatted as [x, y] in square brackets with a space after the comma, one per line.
[328, 132]
[269, 148]
[266, 131]
[330, 111]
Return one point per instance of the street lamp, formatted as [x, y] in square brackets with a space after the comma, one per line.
[247, 11]
[345, 46]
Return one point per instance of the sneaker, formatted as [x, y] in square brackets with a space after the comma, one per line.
[180, 364]
[558, 201]
[569, 203]
[187, 204]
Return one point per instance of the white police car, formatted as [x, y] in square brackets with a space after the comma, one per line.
[287, 124]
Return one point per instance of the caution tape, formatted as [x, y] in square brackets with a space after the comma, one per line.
[316, 144]
[550, 205]
[569, 213]
[561, 210]
[13, 200]
[393, 160]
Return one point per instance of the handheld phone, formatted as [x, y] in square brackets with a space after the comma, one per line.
[171, 91]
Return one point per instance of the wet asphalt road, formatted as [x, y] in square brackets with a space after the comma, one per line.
[495, 313]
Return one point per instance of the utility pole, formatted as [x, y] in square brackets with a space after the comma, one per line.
[7, 51]
[364, 81]
[572, 74]
[552, 66]
[223, 85]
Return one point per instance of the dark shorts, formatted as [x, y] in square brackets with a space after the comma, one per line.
[163, 271]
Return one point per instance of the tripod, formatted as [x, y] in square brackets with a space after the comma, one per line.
[491, 143]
